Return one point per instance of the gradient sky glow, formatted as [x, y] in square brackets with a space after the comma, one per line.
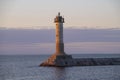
[42, 41]
[30, 13]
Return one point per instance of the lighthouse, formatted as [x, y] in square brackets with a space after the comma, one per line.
[59, 20]
[59, 58]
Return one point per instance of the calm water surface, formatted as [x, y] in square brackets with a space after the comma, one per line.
[26, 67]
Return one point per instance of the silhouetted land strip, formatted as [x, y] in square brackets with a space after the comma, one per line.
[65, 62]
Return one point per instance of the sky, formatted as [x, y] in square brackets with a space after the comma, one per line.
[77, 13]
[91, 26]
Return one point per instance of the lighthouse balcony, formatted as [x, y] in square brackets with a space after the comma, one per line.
[59, 19]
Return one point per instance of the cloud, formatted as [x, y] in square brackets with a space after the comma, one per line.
[48, 35]
[30, 41]
[70, 48]
[93, 47]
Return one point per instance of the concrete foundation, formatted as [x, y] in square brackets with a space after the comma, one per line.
[67, 60]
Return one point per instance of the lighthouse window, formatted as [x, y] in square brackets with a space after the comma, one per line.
[66, 63]
[64, 58]
[78, 63]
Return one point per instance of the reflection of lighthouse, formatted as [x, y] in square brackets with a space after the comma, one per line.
[59, 20]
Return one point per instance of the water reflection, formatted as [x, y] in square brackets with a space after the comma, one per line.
[60, 73]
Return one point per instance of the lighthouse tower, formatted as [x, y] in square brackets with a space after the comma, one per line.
[59, 58]
[59, 20]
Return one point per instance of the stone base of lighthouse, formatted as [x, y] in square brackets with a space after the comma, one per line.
[58, 60]
[66, 61]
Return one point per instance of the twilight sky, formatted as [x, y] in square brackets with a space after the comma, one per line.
[39, 13]
[37, 36]
[42, 41]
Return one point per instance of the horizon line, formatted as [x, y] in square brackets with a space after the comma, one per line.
[53, 27]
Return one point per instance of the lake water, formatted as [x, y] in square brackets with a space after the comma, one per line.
[26, 67]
